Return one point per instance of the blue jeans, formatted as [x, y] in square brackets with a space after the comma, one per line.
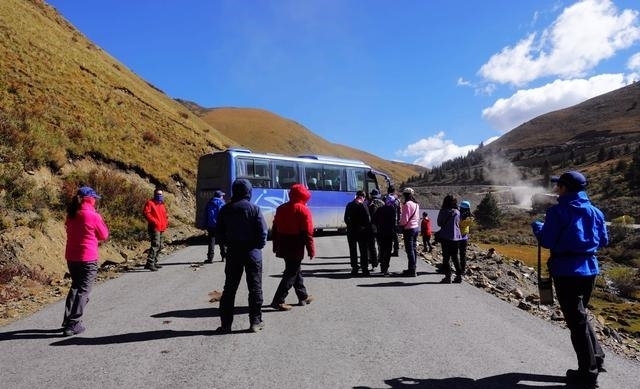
[410, 237]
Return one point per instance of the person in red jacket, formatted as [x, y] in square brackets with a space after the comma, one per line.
[291, 233]
[425, 231]
[158, 221]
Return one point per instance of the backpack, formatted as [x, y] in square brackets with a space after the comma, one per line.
[213, 209]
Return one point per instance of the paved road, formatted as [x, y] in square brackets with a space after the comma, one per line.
[156, 330]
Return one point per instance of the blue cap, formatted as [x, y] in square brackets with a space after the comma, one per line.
[218, 193]
[574, 181]
[87, 191]
[465, 204]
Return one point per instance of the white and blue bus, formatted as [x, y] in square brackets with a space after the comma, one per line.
[332, 182]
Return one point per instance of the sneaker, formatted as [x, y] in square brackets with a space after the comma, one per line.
[457, 280]
[281, 307]
[446, 280]
[74, 329]
[409, 273]
[256, 327]
[150, 266]
[208, 261]
[307, 301]
[158, 266]
[223, 330]
[585, 378]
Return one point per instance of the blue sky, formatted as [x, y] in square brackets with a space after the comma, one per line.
[414, 80]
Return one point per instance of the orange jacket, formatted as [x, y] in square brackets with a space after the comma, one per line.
[156, 215]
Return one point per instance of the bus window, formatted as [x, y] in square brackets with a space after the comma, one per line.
[257, 171]
[332, 177]
[355, 179]
[313, 176]
[286, 174]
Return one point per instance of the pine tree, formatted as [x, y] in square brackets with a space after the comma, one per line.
[487, 214]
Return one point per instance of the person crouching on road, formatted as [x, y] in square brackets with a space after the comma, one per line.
[410, 223]
[449, 222]
[85, 230]
[242, 230]
[573, 231]
[291, 233]
[157, 222]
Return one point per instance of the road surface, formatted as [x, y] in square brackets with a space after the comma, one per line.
[156, 330]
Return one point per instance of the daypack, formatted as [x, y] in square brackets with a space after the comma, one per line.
[213, 209]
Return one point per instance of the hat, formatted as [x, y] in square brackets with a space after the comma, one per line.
[573, 180]
[87, 191]
[408, 191]
[465, 204]
[218, 193]
[375, 194]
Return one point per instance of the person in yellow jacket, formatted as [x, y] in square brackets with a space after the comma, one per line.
[466, 222]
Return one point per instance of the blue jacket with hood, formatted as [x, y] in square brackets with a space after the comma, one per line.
[241, 226]
[573, 231]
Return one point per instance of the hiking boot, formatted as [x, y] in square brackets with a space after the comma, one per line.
[354, 272]
[307, 301]
[74, 329]
[366, 273]
[446, 280]
[457, 280]
[223, 330]
[256, 327]
[158, 266]
[409, 273]
[150, 266]
[208, 260]
[584, 378]
[281, 307]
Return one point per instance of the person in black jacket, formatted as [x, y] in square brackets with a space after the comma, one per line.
[242, 230]
[358, 220]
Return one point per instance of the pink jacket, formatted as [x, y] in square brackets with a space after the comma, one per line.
[83, 234]
[410, 215]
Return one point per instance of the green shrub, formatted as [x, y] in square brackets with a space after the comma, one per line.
[624, 279]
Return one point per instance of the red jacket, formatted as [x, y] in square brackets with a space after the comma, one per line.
[156, 215]
[292, 229]
[425, 227]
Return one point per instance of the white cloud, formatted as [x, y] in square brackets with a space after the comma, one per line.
[634, 62]
[434, 150]
[586, 33]
[507, 113]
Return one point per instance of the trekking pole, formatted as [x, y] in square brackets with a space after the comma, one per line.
[545, 284]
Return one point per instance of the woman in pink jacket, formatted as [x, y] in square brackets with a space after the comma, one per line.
[85, 229]
[410, 223]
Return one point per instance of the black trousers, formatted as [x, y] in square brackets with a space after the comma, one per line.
[358, 240]
[83, 276]
[573, 295]
[386, 245]
[450, 254]
[239, 261]
[211, 236]
[292, 277]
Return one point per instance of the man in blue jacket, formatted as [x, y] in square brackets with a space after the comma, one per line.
[573, 231]
[241, 228]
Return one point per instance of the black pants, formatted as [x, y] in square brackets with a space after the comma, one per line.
[450, 254]
[358, 240]
[386, 245]
[396, 243]
[290, 278]
[239, 261]
[373, 250]
[573, 295]
[462, 251]
[426, 243]
[211, 235]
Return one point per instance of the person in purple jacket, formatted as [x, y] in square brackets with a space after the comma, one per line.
[85, 230]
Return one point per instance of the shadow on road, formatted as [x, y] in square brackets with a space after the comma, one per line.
[502, 381]
[31, 334]
[133, 337]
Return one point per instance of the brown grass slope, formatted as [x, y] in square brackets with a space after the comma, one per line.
[263, 131]
[605, 118]
[75, 100]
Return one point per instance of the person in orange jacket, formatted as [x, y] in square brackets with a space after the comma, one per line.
[291, 233]
[425, 232]
[157, 223]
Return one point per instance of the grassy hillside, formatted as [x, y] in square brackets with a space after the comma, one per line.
[263, 131]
